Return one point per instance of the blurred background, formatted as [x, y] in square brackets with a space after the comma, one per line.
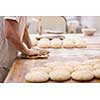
[62, 24]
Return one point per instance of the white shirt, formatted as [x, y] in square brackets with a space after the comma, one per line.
[7, 51]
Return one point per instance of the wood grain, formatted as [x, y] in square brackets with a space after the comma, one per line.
[21, 66]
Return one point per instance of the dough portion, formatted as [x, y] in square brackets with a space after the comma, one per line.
[44, 43]
[34, 41]
[92, 62]
[96, 66]
[96, 73]
[84, 67]
[54, 64]
[37, 76]
[59, 75]
[82, 75]
[45, 69]
[80, 44]
[73, 63]
[68, 43]
[56, 43]
[68, 68]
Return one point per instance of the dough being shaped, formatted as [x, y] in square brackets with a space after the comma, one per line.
[45, 69]
[44, 43]
[82, 75]
[80, 44]
[34, 41]
[56, 43]
[59, 75]
[37, 76]
[96, 73]
[68, 43]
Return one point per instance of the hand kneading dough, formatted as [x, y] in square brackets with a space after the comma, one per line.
[82, 75]
[59, 75]
[96, 73]
[37, 76]
[68, 43]
[44, 43]
[34, 41]
[80, 44]
[45, 69]
[56, 43]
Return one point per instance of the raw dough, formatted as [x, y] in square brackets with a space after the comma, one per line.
[82, 75]
[73, 63]
[56, 43]
[37, 76]
[84, 67]
[45, 69]
[54, 64]
[80, 44]
[59, 75]
[68, 68]
[92, 62]
[96, 73]
[34, 41]
[96, 66]
[60, 65]
[44, 43]
[68, 43]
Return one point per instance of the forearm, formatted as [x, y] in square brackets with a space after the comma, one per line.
[11, 33]
[27, 39]
[15, 40]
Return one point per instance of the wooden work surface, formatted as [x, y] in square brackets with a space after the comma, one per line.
[21, 66]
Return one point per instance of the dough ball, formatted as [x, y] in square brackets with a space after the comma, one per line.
[80, 44]
[44, 43]
[92, 62]
[96, 73]
[54, 64]
[84, 67]
[96, 66]
[59, 65]
[68, 43]
[45, 69]
[37, 76]
[34, 41]
[59, 75]
[56, 43]
[68, 68]
[82, 75]
[73, 63]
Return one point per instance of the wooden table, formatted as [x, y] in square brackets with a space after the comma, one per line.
[21, 66]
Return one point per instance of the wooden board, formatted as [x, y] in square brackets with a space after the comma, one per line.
[22, 66]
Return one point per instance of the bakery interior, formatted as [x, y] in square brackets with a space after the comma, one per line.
[73, 43]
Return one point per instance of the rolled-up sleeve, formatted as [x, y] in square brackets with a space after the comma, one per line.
[16, 18]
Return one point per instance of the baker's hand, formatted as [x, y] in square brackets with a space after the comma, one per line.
[37, 52]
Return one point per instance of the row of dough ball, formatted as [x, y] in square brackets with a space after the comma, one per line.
[63, 72]
[57, 43]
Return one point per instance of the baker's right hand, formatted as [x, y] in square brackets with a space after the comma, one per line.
[37, 52]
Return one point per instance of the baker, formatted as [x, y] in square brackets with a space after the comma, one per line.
[14, 37]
